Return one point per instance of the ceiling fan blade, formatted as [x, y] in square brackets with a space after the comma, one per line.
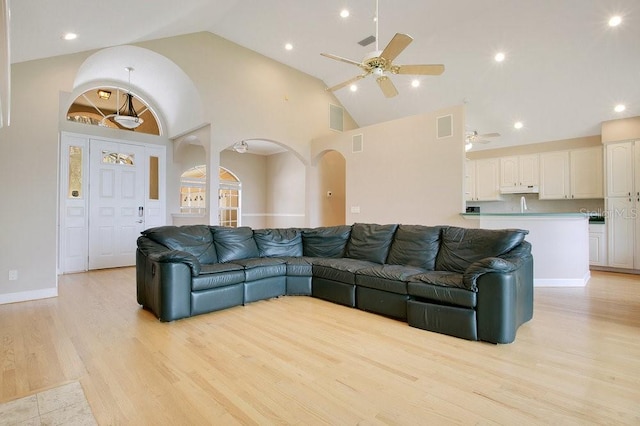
[398, 43]
[348, 82]
[490, 135]
[341, 59]
[387, 86]
[433, 69]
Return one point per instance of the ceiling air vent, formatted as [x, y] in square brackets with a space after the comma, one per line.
[357, 143]
[367, 41]
[336, 120]
[444, 126]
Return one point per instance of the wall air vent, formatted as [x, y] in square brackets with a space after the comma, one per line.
[444, 126]
[336, 117]
[367, 41]
[357, 143]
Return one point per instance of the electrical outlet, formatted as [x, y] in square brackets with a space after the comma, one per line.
[13, 274]
[355, 209]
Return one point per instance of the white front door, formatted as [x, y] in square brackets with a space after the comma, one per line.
[117, 200]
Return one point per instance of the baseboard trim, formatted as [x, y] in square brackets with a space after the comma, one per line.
[562, 282]
[24, 296]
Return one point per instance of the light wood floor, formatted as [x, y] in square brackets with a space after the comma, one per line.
[299, 360]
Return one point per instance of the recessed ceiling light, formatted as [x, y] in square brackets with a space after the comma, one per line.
[614, 21]
[518, 124]
[499, 57]
[353, 87]
[619, 108]
[344, 13]
[415, 83]
[69, 36]
[288, 46]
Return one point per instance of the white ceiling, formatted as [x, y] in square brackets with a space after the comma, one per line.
[564, 73]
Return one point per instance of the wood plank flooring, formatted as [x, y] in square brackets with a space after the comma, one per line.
[299, 360]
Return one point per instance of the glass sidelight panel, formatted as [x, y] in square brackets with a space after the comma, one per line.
[154, 178]
[75, 172]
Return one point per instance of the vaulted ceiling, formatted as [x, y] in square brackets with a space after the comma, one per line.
[565, 68]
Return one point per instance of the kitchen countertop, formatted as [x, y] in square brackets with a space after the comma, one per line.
[526, 214]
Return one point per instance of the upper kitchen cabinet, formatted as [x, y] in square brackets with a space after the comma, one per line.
[587, 174]
[620, 169]
[575, 174]
[482, 180]
[518, 171]
[554, 175]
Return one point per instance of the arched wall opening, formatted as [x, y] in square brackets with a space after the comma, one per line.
[273, 180]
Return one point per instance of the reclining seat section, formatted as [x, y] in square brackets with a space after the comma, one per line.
[447, 300]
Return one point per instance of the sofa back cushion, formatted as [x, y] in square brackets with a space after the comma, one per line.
[370, 241]
[278, 242]
[328, 241]
[234, 243]
[193, 239]
[415, 245]
[461, 247]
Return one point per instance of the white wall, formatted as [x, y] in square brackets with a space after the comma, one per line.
[245, 95]
[286, 196]
[404, 174]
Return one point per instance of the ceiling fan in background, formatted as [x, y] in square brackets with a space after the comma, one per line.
[380, 63]
[473, 137]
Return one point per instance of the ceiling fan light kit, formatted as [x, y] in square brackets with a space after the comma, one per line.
[379, 63]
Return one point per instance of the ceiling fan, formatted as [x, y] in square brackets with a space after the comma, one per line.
[380, 63]
[473, 137]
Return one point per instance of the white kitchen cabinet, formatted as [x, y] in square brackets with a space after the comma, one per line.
[587, 176]
[598, 244]
[554, 175]
[623, 204]
[620, 168]
[469, 180]
[575, 174]
[482, 180]
[621, 232]
[520, 170]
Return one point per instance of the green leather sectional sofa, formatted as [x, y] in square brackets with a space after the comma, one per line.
[475, 284]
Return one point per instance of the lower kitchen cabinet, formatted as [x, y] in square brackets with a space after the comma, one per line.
[597, 244]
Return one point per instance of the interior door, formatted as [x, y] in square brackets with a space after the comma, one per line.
[117, 196]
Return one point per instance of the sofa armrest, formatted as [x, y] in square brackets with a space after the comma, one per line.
[177, 256]
[505, 301]
[507, 262]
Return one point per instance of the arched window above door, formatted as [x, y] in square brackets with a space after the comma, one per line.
[98, 106]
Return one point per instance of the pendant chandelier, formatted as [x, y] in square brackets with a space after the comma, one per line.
[127, 116]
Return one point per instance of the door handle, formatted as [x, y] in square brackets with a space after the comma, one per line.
[139, 221]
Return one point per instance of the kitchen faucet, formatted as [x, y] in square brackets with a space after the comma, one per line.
[523, 204]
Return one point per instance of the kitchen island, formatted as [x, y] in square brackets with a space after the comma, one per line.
[559, 244]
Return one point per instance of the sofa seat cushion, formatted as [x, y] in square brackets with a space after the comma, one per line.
[263, 267]
[341, 270]
[278, 242]
[370, 241]
[216, 268]
[298, 267]
[392, 278]
[441, 286]
[217, 275]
